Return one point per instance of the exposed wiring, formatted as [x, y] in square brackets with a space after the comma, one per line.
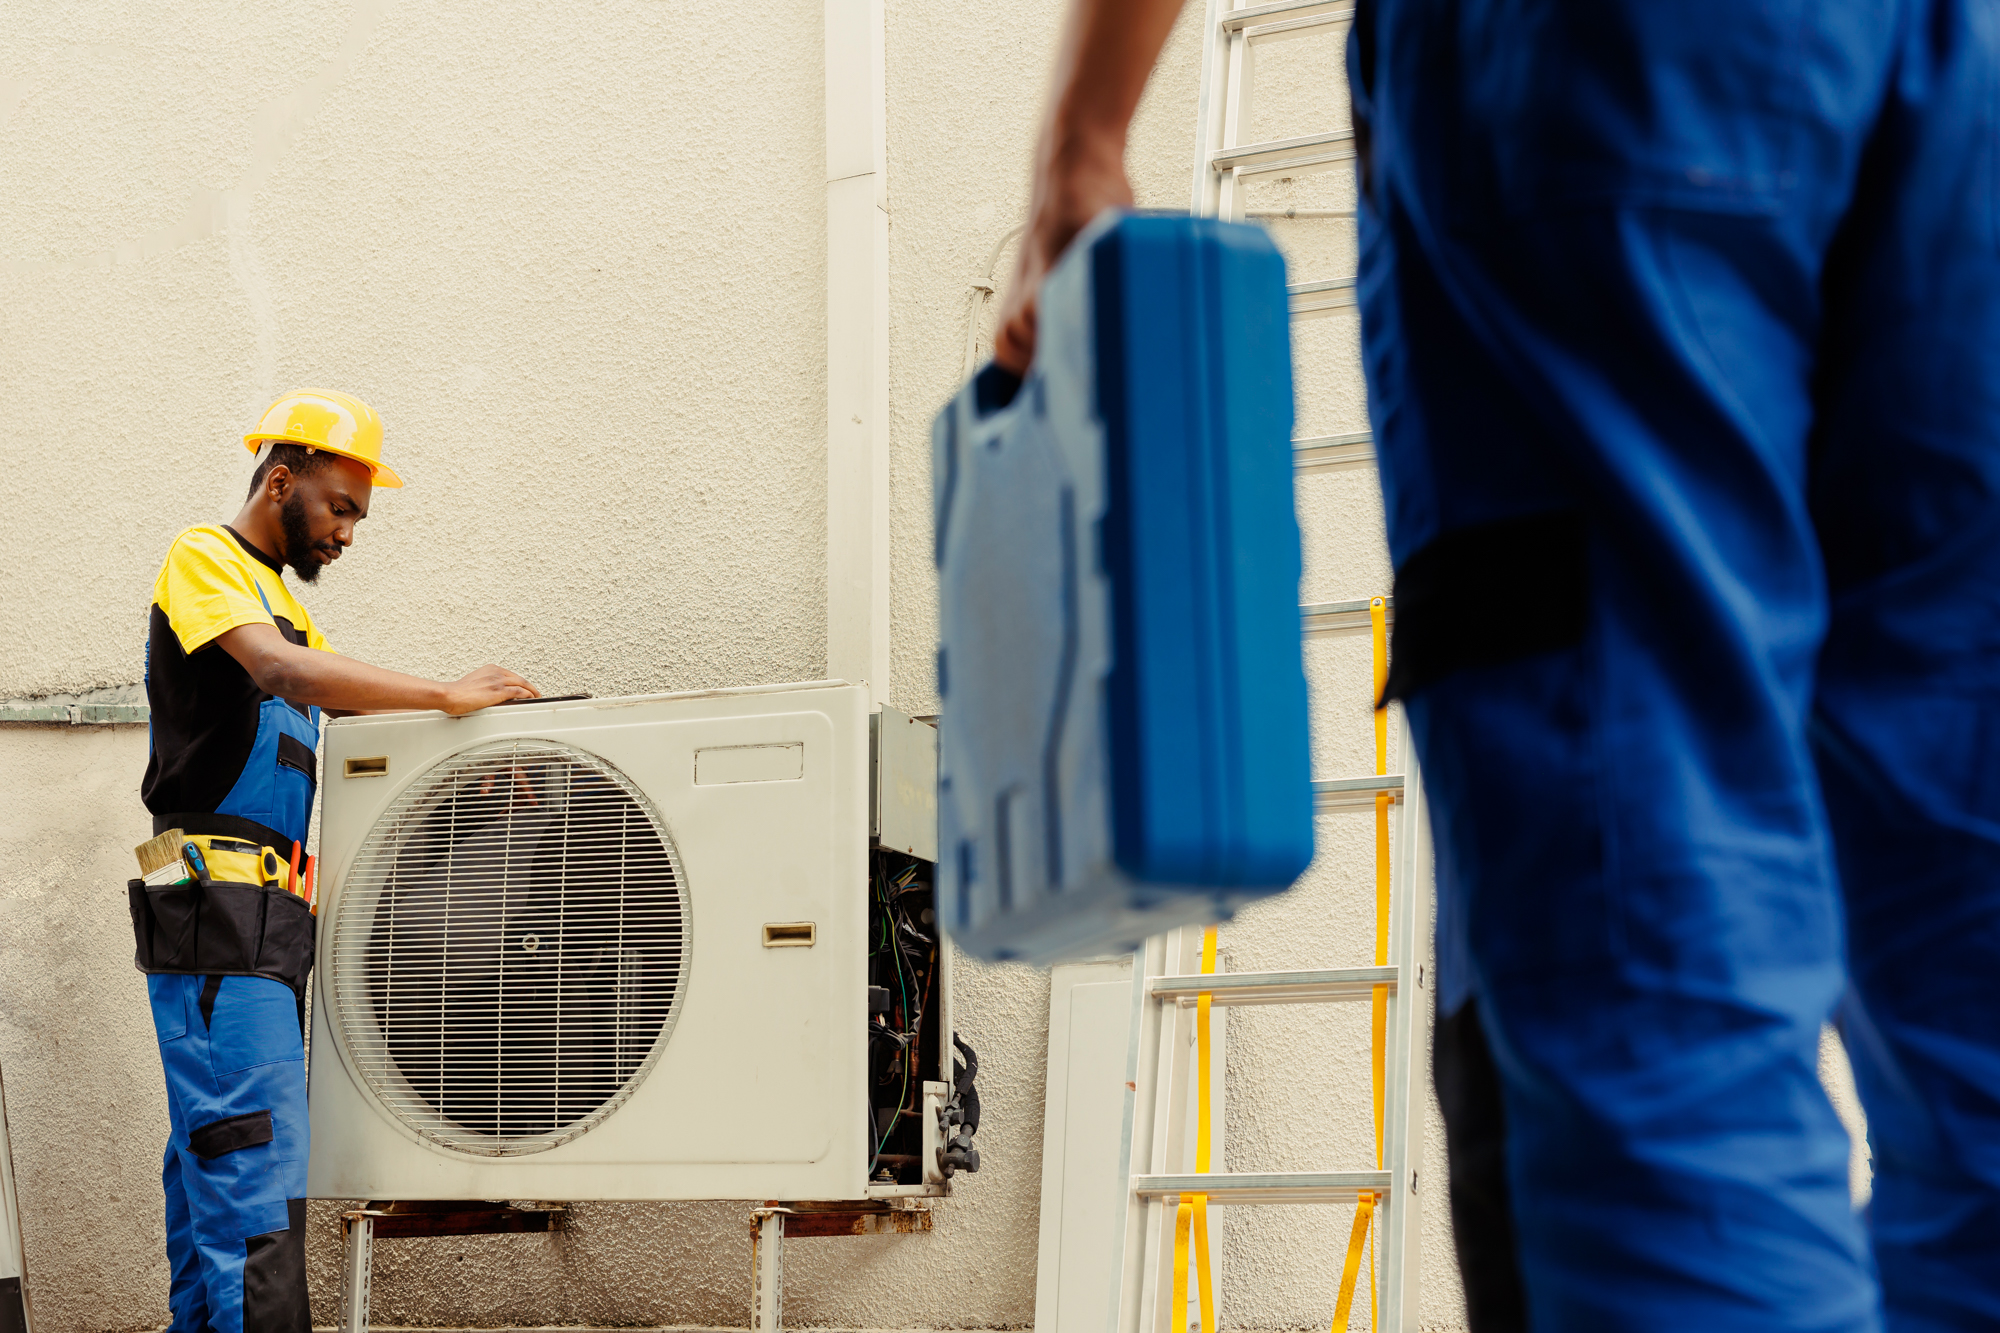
[910, 951]
[890, 938]
[896, 956]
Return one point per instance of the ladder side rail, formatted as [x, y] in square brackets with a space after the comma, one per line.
[1400, 1254]
[1173, 1138]
[1208, 107]
[1142, 1065]
[1239, 67]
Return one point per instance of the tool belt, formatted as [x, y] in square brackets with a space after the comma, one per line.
[223, 926]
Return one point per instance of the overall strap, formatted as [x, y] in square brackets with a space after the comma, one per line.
[312, 710]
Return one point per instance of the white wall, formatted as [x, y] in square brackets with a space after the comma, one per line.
[575, 255]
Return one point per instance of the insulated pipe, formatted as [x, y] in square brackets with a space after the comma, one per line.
[857, 348]
[982, 288]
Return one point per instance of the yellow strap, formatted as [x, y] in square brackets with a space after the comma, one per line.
[1204, 1135]
[1357, 1241]
[1181, 1219]
[1201, 1263]
[1193, 1213]
[1372, 1306]
[1378, 624]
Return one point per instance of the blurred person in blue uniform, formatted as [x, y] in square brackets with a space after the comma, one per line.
[1681, 325]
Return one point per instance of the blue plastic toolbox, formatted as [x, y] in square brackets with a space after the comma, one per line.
[1123, 745]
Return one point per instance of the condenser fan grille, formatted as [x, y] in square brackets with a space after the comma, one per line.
[508, 947]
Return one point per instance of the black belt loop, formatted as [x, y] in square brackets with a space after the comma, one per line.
[228, 826]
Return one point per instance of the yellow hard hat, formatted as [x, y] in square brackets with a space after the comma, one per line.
[323, 419]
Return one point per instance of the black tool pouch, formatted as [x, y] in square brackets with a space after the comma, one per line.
[222, 929]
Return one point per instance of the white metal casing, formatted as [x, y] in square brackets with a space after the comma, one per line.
[758, 1091]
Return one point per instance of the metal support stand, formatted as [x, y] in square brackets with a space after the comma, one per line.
[357, 1235]
[420, 1218]
[772, 1223]
[767, 1269]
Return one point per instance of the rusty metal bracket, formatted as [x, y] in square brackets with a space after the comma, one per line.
[462, 1217]
[872, 1217]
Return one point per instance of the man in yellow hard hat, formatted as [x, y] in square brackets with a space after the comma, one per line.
[237, 675]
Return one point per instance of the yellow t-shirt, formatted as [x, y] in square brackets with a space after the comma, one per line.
[209, 585]
[205, 707]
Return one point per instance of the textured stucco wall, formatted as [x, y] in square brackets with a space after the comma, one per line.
[575, 256]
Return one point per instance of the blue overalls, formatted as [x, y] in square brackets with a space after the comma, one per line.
[1681, 325]
[227, 965]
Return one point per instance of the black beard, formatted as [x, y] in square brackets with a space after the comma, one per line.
[298, 539]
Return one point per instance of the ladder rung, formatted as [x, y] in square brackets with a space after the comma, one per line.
[1279, 155]
[1356, 793]
[1341, 617]
[1320, 298]
[1288, 11]
[1245, 988]
[1298, 166]
[1323, 453]
[1266, 1186]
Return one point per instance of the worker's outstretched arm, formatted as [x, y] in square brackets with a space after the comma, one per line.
[343, 685]
[1108, 50]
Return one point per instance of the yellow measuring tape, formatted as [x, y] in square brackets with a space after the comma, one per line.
[1364, 1213]
[1193, 1214]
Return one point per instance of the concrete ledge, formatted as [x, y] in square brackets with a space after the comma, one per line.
[118, 706]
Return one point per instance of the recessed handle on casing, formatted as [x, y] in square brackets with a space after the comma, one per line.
[790, 934]
[372, 766]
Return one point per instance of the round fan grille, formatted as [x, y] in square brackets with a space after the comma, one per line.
[508, 947]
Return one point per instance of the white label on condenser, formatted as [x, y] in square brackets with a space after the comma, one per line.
[750, 763]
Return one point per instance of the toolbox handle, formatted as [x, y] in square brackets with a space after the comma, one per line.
[993, 388]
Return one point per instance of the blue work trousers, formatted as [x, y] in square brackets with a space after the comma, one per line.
[235, 1170]
[1681, 323]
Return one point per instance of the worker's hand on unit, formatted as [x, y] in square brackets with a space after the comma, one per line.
[485, 687]
[1108, 50]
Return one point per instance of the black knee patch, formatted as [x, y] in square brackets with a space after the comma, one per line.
[217, 1137]
[1489, 594]
[1482, 1212]
[274, 1278]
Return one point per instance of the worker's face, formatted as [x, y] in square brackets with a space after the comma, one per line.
[318, 514]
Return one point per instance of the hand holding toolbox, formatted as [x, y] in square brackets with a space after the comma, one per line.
[1123, 746]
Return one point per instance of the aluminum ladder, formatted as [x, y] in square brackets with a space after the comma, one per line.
[1157, 1146]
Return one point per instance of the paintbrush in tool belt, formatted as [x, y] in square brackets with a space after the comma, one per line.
[160, 860]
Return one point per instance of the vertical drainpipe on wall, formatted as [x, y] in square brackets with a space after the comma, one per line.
[857, 347]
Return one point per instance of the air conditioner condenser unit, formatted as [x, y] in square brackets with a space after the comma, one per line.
[597, 949]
